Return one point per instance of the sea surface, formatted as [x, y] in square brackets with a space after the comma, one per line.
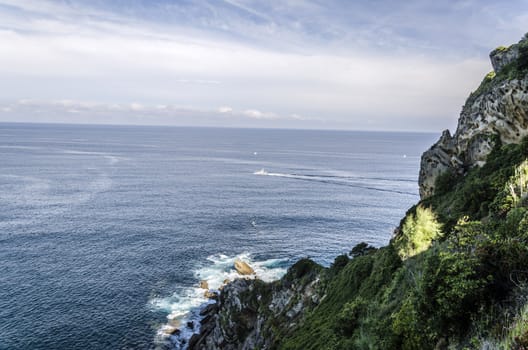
[106, 231]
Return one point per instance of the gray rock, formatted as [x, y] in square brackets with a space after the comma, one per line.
[243, 317]
[503, 56]
[500, 111]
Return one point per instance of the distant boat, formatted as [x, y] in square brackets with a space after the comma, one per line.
[261, 172]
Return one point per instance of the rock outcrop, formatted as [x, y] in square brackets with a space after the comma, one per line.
[502, 56]
[243, 268]
[497, 111]
[247, 310]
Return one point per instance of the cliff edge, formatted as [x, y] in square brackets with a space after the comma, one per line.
[496, 112]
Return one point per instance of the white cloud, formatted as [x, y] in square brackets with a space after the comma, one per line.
[225, 109]
[59, 54]
[256, 114]
[72, 111]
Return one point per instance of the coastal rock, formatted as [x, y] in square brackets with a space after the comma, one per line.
[247, 309]
[170, 330]
[211, 295]
[243, 268]
[498, 112]
[435, 161]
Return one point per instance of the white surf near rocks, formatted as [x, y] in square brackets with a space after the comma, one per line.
[184, 306]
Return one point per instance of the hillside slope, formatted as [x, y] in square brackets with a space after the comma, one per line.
[455, 276]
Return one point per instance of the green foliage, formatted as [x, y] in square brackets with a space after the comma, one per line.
[361, 249]
[522, 61]
[348, 319]
[303, 270]
[350, 294]
[453, 289]
[515, 191]
[480, 192]
[339, 263]
[407, 324]
[515, 335]
[446, 181]
[418, 232]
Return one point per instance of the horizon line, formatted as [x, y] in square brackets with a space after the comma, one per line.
[223, 127]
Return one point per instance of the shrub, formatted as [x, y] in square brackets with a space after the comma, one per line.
[446, 182]
[361, 249]
[339, 262]
[348, 319]
[418, 232]
[454, 288]
[522, 61]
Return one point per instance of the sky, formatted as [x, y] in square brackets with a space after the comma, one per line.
[393, 65]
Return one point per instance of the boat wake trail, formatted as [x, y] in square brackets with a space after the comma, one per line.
[349, 181]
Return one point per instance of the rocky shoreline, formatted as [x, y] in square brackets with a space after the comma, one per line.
[240, 318]
[185, 334]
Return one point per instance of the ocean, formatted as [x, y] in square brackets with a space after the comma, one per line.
[106, 231]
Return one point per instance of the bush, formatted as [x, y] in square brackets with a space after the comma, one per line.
[339, 262]
[522, 61]
[361, 249]
[304, 269]
[418, 232]
[348, 319]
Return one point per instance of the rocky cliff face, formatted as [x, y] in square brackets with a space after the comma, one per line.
[497, 110]
[251, 314]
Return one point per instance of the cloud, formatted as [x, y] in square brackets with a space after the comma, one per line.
[256, 114]
[71, 111]
[225, 109]
[351, 65]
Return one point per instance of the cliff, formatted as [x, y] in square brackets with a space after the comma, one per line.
[455, 275]
[498, 108]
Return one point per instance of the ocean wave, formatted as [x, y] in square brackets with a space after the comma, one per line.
[183, 307]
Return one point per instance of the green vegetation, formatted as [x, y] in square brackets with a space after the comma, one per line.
[522, 61]
[418, 232]
[446, 280]
[362, 249]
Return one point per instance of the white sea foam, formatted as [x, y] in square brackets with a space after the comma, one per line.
[185, 304]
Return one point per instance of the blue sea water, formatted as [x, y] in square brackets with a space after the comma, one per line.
[106, 230]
